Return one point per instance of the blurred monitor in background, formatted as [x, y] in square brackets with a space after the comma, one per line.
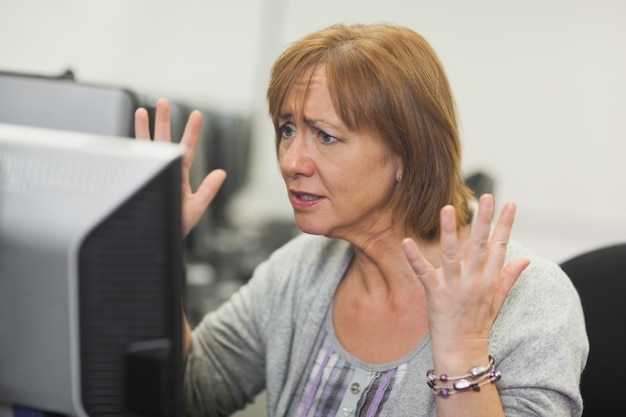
[227, 146]
[63, 103]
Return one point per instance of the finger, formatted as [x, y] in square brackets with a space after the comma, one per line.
[450, 256]
[142, 124]
[419, 264]
[511, 273]
[190, 137]
[206, 192]
[210, 185]
[499, 241]
[479, 236]
[162, 123]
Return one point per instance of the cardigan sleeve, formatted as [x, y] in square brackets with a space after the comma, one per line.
[541, 344]
[258, 335]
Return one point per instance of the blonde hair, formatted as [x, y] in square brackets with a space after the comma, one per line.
[389, 80]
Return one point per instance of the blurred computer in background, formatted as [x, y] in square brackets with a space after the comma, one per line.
[60, 102]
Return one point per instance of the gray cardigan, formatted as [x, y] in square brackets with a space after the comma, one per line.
[262, 338]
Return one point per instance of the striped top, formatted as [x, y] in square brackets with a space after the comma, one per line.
[341, 385]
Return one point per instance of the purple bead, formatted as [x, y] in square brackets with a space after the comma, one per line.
[461, 384]
[443, 378]
[445, 393]
[495, 376]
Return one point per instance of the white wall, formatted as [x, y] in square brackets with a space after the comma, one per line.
[540, 85]
[203, 51]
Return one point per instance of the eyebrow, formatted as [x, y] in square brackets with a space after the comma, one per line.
[308, 121]
[290, 116]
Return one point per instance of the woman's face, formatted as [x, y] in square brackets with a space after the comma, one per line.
[339, 181]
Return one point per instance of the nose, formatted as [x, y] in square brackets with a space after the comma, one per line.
[296, 157]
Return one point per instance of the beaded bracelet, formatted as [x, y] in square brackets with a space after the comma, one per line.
[475, 378]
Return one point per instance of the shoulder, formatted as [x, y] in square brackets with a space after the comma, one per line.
[543, 297]
[542, 273]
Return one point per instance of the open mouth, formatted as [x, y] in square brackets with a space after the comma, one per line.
[304, 200]
[306, 197]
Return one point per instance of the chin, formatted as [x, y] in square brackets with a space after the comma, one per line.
[310, 230]
[310, 227]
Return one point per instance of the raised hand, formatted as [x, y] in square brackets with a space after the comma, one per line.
[466, 292]
[194, 204]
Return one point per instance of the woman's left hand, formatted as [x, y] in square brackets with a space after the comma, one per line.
[194, 204]
[465, 294]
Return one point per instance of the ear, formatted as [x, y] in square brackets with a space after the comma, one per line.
[398, 169]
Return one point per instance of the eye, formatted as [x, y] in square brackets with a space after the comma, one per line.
[287, 131]
[325, 138]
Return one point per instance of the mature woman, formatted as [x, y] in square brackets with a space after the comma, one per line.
[401, 298]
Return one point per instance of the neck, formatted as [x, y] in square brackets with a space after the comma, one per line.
[380, 268]
[380, 264]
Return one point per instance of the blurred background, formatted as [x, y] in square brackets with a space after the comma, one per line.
[539, 84]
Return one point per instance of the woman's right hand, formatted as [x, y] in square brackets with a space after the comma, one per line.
[194, 204]
[466, 292]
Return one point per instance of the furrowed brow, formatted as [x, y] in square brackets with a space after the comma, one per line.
[285, 116]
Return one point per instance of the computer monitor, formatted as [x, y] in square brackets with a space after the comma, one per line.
[91, 274]
[64, 103]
